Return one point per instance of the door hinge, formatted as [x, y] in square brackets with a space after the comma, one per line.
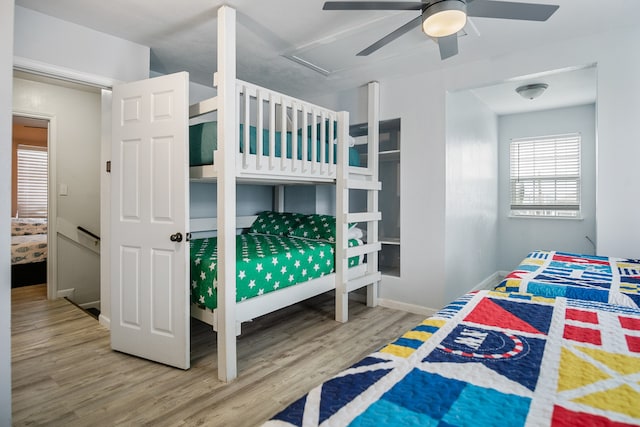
[108, 166]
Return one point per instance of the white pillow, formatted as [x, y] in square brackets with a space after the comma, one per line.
[354, 233]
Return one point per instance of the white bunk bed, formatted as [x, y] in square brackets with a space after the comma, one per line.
[311, 163]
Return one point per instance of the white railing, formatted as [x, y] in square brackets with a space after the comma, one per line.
[300, 137]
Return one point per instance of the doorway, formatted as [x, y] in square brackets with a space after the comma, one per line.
[29, 201]
[74, 114]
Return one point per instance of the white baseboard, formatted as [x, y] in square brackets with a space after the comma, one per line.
[66, 293]
[104, 321]
[411, 308]
[490, 282]
[91, 304]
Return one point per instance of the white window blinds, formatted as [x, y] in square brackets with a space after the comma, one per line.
[32, 181]
[545, 176]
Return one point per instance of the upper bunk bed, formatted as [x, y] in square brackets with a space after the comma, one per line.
[280, 139]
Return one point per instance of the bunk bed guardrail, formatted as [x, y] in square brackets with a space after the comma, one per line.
[279, 136]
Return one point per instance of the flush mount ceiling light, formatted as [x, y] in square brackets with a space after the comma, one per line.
[444, 18]
[532, 91]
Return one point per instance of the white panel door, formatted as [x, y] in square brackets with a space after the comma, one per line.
[149, 220]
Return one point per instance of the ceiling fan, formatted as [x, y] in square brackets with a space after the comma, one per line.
[442, 19]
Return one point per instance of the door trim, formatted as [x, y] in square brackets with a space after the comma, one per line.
[44, 69]
[52, 200]
[61, 73]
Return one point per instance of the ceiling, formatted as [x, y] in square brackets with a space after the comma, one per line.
[182, 37]
[566, 88]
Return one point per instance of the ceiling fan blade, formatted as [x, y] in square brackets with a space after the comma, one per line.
[448, 46]
[510, 10]
[391, 36]
[372, 5]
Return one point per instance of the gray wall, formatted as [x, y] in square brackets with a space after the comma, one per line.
[471, 228]
[310, 199]
[6, 72]
[519, 236]
[251, 199]
[59, 43]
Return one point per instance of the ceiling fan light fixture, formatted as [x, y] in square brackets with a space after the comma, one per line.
[532, 91]
[444, 18]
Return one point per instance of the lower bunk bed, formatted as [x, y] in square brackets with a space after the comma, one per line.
[277, 252]
[493, 358]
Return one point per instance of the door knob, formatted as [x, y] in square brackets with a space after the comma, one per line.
[176, 237]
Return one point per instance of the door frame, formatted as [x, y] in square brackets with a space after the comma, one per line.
[52, 209]
[63, 74]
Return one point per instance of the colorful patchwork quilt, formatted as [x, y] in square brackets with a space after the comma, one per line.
[492, 359]
[586, 277]
[264, 263]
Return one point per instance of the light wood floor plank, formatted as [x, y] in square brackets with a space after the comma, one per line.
[65, 373]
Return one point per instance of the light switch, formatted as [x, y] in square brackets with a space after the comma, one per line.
[64, 190]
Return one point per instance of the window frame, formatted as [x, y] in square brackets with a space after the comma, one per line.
[547, 174]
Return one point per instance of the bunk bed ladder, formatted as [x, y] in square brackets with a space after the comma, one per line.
[369, 182]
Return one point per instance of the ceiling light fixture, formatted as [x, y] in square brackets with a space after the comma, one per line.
[444, 18]
[532, 91]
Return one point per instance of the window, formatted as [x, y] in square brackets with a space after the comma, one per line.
[32, 181]
[545, 176]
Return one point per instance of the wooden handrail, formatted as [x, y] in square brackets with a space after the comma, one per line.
[84, 230]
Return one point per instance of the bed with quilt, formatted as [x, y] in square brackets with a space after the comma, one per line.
[28, 251]
[492, 359]
[590, 277]
[279, 250]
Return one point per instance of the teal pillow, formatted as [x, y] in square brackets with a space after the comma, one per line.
[202, 143]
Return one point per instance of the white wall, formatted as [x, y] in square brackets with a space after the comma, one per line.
[471, 181]
[6, 72]
[519, 236]
[420, 104]
[419, 101]
[51, 41]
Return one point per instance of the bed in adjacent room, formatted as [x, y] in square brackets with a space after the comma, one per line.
[28, 251]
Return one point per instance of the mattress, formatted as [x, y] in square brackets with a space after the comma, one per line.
[491, 359]
[265, 263]
[203, 142]
[587, 277]
[28, 248]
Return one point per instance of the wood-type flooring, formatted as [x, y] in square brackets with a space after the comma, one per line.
[65, 373]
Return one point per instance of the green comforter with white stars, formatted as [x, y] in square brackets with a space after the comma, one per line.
[264, 263]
